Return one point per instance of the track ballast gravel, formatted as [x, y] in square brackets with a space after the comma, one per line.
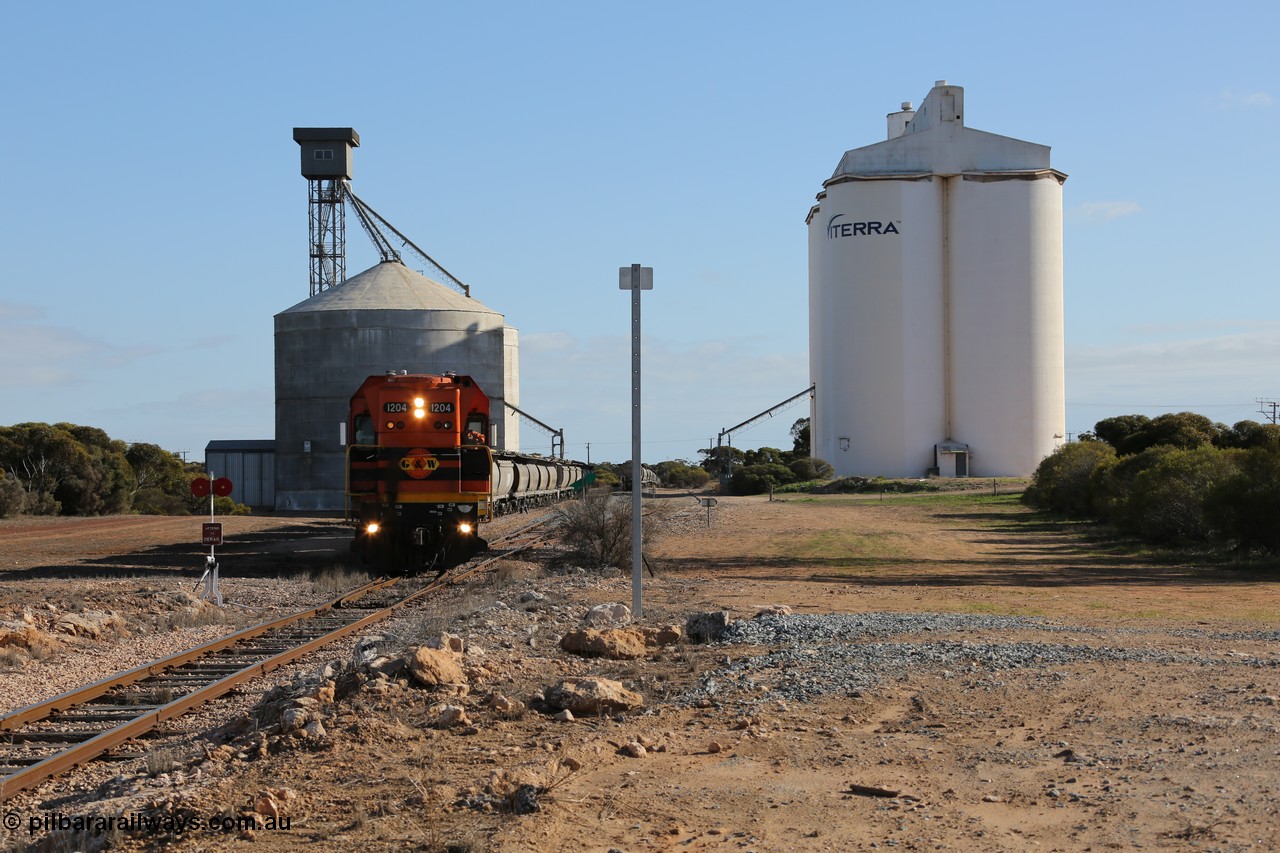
[815, 655]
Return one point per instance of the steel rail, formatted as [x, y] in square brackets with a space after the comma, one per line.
[455, 578]
[85, 751]
[80, 695]
[88, 750]
[95, 746]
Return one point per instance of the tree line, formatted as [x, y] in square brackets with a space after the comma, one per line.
[68, 469]
[1178, 479]
[751, 471]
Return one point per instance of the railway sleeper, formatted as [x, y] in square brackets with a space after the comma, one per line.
[105, 712]
[156, 680]
[13, 765]
[114, 719]
[190, 675]
[73, 736]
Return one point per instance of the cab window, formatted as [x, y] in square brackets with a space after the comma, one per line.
[477, 429]
[364, 432]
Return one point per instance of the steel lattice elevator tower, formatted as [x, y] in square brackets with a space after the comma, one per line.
[326, 164]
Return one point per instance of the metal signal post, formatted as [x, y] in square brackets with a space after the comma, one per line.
[636, 278]
[211, 534]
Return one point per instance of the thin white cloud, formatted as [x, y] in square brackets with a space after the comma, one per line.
[19, 311]
[204, 400]
[1229, 99]
[1206, 370]
[546, 342]
[1200, 329]
[39, 355]
[1105, 211]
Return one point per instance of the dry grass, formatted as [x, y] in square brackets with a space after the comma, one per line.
[337, 579]
[160, 761]
[440, 615]
[195, 617]
[158, 696]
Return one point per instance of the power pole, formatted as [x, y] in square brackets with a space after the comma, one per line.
[1268, 409]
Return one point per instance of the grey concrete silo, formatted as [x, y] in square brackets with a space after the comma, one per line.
[386, 318]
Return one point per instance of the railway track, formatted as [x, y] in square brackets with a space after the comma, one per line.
[51, 737]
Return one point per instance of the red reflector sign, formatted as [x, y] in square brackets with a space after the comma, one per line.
[222, 487]
[211, 533]
[200, 487]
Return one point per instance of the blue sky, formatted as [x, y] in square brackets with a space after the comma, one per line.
[155, 219]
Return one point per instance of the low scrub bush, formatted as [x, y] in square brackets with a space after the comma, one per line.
[1063, 481]
[153, 501]
[1167, 502]
[755, 479]
[1112, 484]
[13, 498]
[1245, 507]
[228, 506]
[1166, 494]
[597, 530]
[812, 468]
[875, 486]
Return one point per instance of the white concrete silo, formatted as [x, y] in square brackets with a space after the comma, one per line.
[935, 301]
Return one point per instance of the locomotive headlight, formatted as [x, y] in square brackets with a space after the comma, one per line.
[372, 528]
[418, 402]
[419, 413]
[464, 528]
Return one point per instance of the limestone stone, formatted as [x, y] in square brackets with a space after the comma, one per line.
[608, 614]
[435, 667]
[592, 696]
[612, 643]
[706, 627]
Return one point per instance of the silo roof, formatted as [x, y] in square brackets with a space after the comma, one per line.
[390, 286]
[936, 141]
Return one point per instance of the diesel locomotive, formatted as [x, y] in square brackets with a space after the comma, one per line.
[422, 475]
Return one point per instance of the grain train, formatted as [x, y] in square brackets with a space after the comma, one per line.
[422, 477]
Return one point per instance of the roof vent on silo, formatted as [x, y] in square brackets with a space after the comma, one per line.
[899, 121]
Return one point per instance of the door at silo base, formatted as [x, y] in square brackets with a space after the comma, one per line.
[952, 459]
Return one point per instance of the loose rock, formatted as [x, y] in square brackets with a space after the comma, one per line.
[435, 667]
[706, 627]
[608, 614]
[612, 643]
[592, 696]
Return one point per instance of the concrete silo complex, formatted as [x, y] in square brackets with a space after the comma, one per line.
[935, 301]
[385, 318]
